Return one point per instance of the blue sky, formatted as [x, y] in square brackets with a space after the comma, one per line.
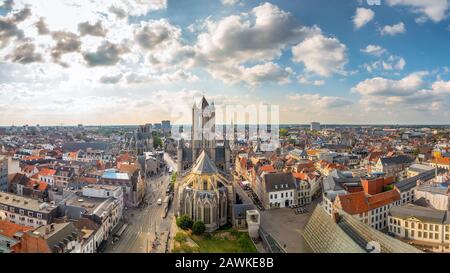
[142, 61]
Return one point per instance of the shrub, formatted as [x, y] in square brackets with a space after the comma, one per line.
[184, 222]
[180, 237]
[198, 228]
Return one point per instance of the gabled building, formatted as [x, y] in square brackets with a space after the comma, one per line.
[393, 166]
[276, 190]
[53, 238]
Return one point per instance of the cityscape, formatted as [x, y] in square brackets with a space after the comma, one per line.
[228, 126]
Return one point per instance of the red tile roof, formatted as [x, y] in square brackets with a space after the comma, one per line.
[267, 168]
[441, 161]
[8, 229]
[47, 172]
[358, 202]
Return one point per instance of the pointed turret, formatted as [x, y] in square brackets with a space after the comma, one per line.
[204, 103]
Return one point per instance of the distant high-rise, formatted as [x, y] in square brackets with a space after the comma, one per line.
[315, 126]
[165, 125]
[157, 126]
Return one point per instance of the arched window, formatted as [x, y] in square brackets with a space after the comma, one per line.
[199, 215]
[207, 214]
[188, 207]
[205, 185]
[224, 208]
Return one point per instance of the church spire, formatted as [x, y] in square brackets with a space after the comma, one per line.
[204, 103]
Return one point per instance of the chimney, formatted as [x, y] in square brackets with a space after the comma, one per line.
[336, 217]
[418, 182]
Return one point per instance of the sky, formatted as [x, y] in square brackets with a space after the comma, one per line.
[142, 61]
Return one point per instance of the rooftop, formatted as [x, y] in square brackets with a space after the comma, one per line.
[204, 165]
[347, 235]
[112, 174]
[25, 202]
[425, 214]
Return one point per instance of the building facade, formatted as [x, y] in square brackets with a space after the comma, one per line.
[205, 194]
[203, 138]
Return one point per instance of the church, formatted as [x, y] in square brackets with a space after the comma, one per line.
[203, 138]
[205, 194]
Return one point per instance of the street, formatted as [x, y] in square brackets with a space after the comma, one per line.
[147, 231]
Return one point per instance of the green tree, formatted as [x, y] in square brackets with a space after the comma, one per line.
[184, 222]
[180, 237]
[157, 142]
[283, 132]
[198, 228]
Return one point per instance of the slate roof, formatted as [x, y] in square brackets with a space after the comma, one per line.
[409, 183]
[396, 160]
[279, 181]
[56, 238]
[336, 179]
[425, 214]
[204, 165]
[76, 146]
[348, 235]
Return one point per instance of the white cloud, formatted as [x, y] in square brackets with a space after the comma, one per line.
[253, 75]
[436, 10]
[260, 35]
[142, 77]
[230, 2]
[305, 79]
[321, 55]
[404, 95]
[441, 87]
[394, 63]
[374, 50]
[362, 17]
[241, 48]
[393, 30]
[156, 33]
[385, 87]
[319, 102]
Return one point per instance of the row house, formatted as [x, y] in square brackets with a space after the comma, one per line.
[276, 190]
[393, 166]
[63, 176]
[106, 212]
[441, 162]
[52, 238]
[26, 211]
[308, 187]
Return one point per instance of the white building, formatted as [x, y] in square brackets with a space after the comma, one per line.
[425, 227]
[315, 126]
[106, 191]
[276, 190]
[26, 211]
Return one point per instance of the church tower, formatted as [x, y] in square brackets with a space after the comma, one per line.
[203, 129]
